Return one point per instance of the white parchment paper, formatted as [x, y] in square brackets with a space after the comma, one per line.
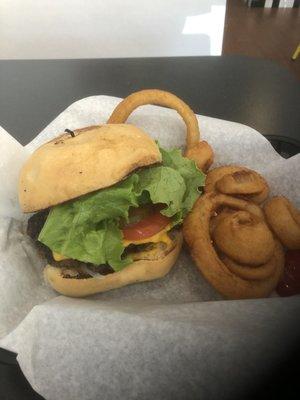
[164, 339]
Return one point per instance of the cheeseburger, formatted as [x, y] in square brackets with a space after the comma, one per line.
[108, 204]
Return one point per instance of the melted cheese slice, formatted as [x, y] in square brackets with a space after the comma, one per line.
[58, 257]
[161, 236]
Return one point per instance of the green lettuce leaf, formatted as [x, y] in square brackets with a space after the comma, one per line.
[87, 229]
[164, 185]
[194, 179]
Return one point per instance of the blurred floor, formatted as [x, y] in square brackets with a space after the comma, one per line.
[271, 33]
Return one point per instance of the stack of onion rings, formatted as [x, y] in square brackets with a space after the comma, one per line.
[199, 151]
[236, 253]
[237, 245]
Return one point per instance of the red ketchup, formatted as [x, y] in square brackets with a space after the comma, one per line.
[290, 282]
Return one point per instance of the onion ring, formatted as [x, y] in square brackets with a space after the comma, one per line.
[284, 220]
[262, 272]
[237, 181]
[245, 238]
[200, 152]
[196, 231]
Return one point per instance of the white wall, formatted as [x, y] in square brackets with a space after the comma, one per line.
[110, 28]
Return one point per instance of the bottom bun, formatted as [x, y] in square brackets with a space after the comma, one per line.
[138, 271]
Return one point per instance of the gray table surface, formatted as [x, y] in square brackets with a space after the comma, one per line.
[255, 92]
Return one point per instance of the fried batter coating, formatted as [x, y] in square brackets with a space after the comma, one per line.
[237, 181]
[213, 263]
[284, 220]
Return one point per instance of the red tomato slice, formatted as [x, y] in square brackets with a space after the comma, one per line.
[147, 227]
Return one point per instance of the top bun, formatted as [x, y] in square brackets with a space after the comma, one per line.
[95, 158]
